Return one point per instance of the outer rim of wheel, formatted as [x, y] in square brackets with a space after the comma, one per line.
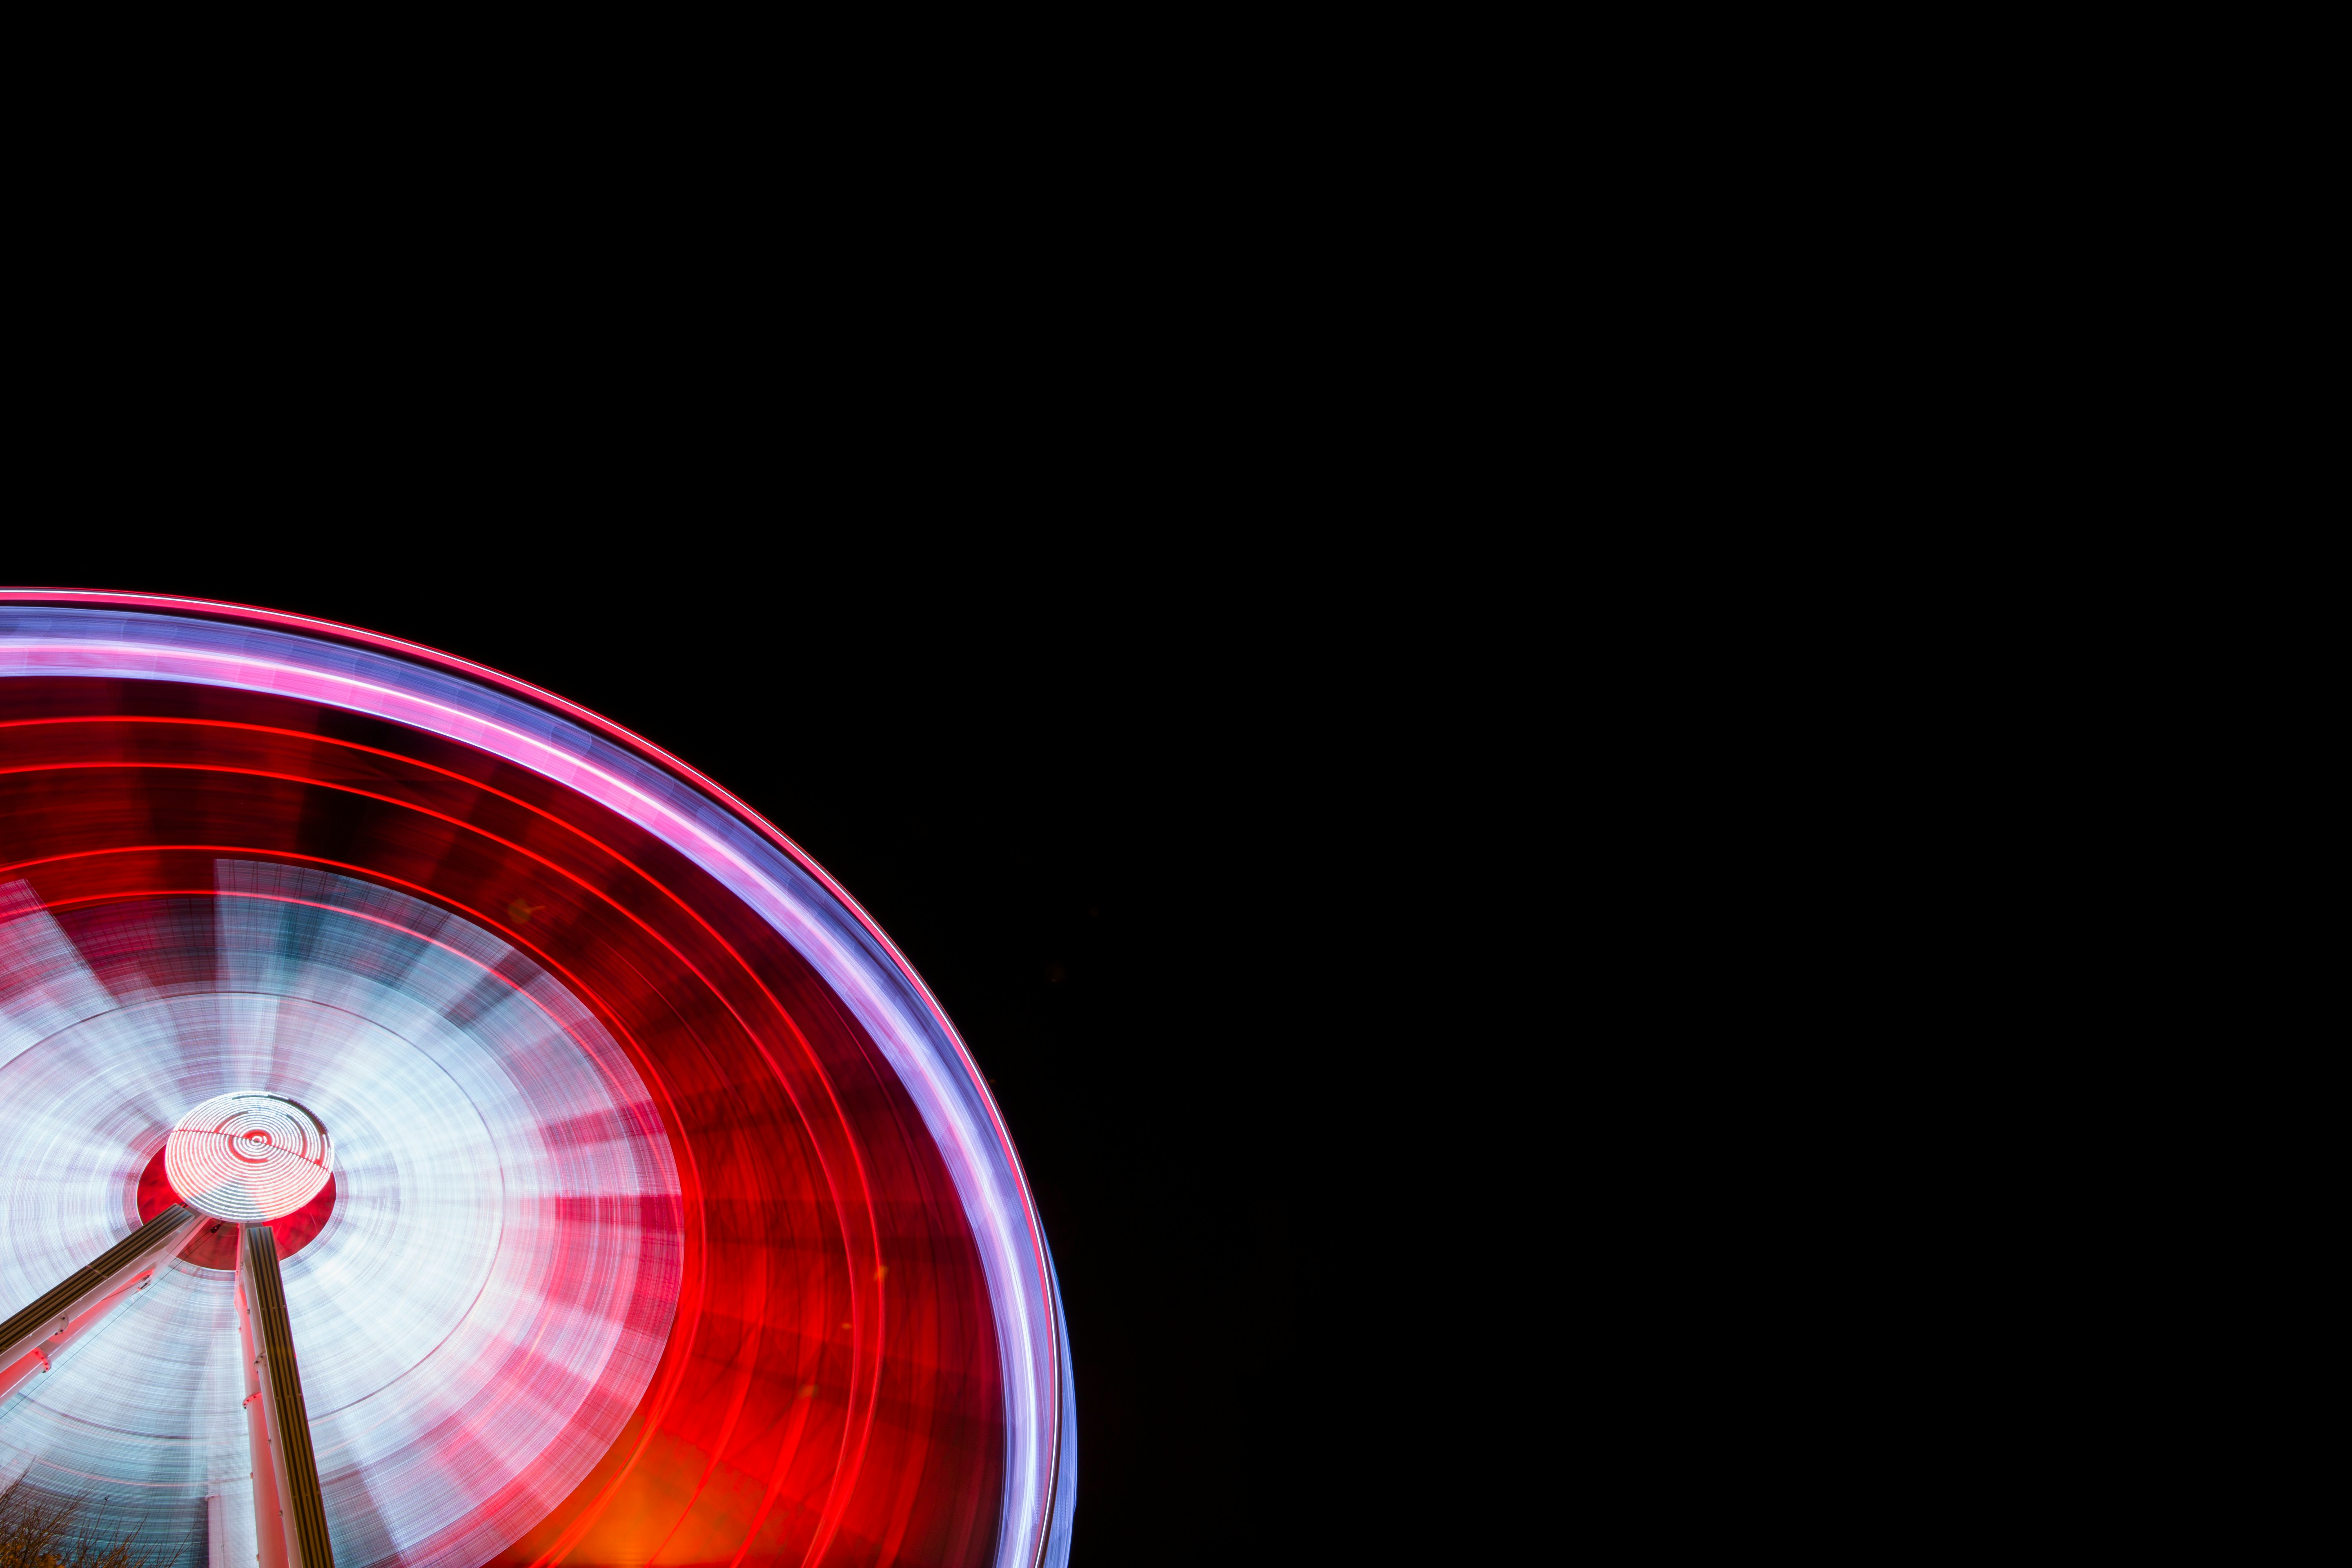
[1047, 1516]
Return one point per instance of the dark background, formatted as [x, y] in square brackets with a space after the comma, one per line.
[1104, 808]
[1099, 559]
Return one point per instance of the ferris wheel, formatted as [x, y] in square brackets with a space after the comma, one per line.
[439, 1127]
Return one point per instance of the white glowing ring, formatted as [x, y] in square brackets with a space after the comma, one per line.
[249, 1157]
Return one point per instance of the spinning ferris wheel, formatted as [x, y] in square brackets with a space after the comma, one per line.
[438, 1127]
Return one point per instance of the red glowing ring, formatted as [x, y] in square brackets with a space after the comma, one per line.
[853, 1346]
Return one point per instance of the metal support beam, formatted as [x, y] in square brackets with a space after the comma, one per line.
[290, 1512]
[30, 1339]
[268, 1518]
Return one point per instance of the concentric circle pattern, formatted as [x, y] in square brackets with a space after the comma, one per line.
[248, 1156]
[670, 1223]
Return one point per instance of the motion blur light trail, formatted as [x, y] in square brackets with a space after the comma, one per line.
[636, 1203]
[450, 1252]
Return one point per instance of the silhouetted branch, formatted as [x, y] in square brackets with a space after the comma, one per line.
[40, 1532]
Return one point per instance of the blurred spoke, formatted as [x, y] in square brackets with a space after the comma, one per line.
[33, 1335]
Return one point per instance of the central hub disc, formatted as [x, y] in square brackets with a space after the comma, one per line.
[249, 1157]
